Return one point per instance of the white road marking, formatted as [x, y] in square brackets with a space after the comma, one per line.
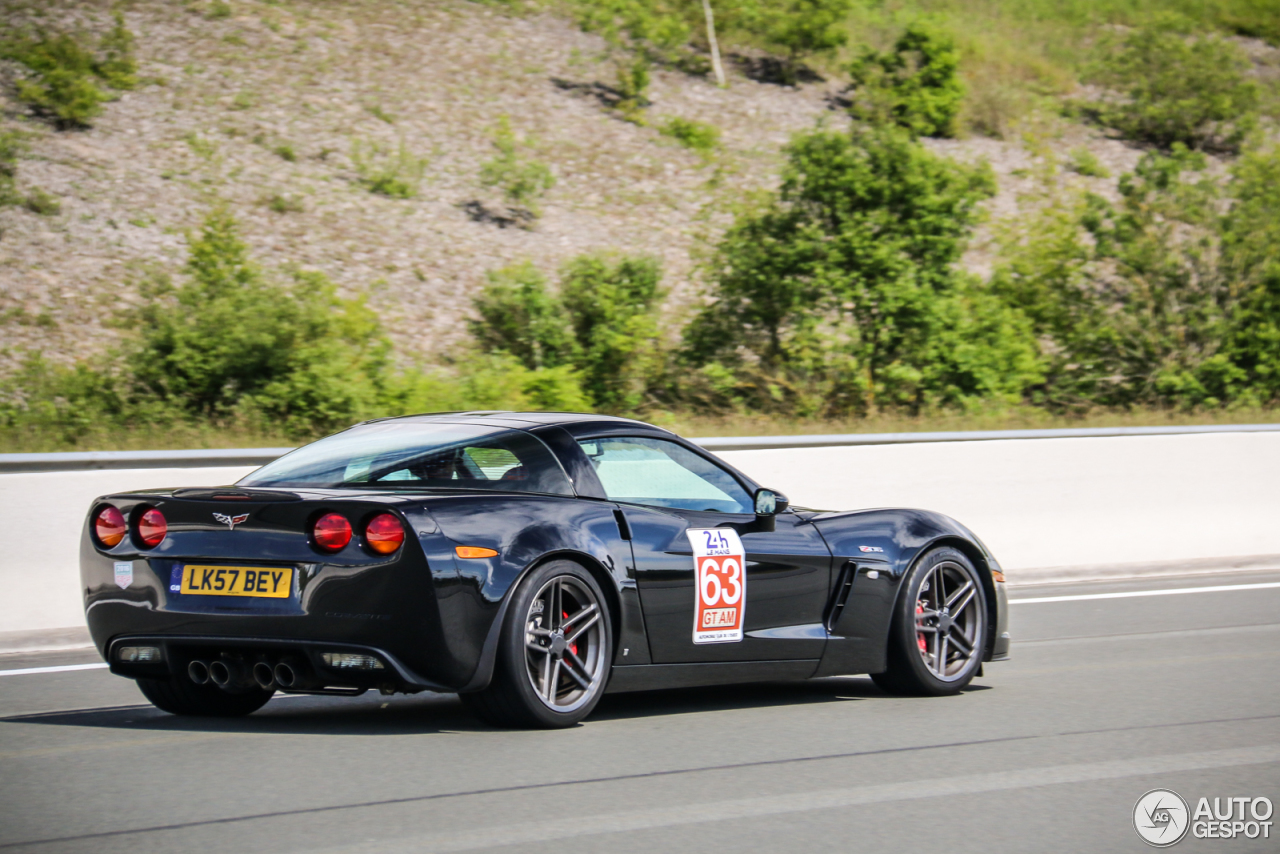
[749, 808]
[1174, 592]
[64, 668]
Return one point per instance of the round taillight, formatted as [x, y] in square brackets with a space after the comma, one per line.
[152, 527]
[384, 533]
[109, 526]
[331, 532]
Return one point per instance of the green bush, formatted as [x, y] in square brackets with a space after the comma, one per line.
[1250, 235]
[915, 85]
[798, 29]
[1082, 161]
[599, 331]
[64, 75]
[699, 136]
[42, 203]
[841, 294]
[523, 180]
[1159, 299]
[232, 340]
[520, 316]
[1172, 88]
[12, 145]
[611, 304]
[674, 31]
[633, 89]
[395, 176]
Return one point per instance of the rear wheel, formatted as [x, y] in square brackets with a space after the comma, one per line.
[178, 695]
[939, 627]
[554, 654]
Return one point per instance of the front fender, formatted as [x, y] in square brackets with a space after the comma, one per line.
[886, 543]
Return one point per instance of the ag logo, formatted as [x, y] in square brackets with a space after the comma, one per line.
[1161, 817]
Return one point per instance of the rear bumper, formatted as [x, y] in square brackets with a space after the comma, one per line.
[181, 650]
[412, 610]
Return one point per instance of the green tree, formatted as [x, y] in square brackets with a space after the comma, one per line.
[611, 304]
[520, 316]
[1175, 88]
[1251, 235]
[848, 279]
[798, 29]
[1131, 299]
[231, 340]
[601, 326]
[915, 85]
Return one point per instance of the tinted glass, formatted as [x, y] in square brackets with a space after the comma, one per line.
[408, 455]
[663, 474]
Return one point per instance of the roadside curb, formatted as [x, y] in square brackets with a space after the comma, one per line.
[45, 640]
[1130, 571]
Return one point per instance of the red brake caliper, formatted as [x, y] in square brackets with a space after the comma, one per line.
[564, 615]
[919, 635]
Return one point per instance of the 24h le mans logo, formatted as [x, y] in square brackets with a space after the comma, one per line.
[1161, 817]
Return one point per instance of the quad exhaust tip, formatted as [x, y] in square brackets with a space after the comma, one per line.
[264, 676]
[198, 672]
[287, 676]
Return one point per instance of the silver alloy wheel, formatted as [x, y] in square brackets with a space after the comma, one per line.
[949, 620]
[564, 647]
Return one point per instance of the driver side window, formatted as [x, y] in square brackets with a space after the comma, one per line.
[658, 473]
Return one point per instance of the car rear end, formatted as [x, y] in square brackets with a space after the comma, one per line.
[315, 590]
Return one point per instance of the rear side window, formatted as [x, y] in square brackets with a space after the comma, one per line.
[413, 455]
[640, 470]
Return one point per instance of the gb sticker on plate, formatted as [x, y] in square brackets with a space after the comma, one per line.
[720, 579]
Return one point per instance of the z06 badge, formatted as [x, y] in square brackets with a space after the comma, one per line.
[720, 582]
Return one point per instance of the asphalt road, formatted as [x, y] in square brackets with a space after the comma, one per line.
[1104, 699]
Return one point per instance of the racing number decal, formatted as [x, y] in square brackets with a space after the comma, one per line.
[720, 582]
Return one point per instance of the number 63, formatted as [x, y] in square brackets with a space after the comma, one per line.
[713, 590]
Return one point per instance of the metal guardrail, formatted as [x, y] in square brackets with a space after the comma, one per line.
[91, 460]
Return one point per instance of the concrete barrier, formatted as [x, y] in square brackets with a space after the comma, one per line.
[1051, 510]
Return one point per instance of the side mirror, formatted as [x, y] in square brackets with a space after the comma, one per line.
[770, 503]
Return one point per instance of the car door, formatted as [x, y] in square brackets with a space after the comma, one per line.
[665, 490]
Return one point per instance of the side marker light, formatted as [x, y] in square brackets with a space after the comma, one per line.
[474, 552]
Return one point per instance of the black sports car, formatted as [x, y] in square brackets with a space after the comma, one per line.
[528, 561]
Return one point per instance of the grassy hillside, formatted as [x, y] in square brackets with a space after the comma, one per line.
[406, 150]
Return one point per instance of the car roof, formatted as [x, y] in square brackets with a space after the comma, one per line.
[521, 420]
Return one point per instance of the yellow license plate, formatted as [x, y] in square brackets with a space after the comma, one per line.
[271, 582]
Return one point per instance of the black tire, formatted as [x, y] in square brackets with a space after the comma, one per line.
[942, 610]
[178, 695]
[584, 650]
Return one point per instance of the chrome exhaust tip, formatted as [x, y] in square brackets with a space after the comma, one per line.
[286, 676]
[198, 672]
[230, 675]
[264, 676]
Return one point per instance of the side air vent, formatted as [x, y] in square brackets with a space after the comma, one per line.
[844, 584]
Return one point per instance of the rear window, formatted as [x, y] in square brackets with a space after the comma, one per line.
[414, 455]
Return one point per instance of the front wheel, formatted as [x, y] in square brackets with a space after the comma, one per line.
[554, 654]
[939, 627]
